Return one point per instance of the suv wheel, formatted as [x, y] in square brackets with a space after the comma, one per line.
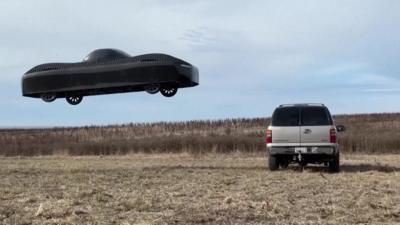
[334, 165]
[273, 163]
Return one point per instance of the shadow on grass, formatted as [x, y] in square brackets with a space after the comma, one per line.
[344, 168]
[351, 168]
[364, 167]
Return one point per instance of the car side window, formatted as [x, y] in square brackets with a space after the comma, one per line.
[285, 116]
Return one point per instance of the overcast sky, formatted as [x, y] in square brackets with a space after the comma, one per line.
[252, 56]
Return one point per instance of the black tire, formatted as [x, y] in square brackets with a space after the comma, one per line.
[334, 165]
[169, 90]
[48, 97]
[74, 99]
[152, 89]
[273, 163]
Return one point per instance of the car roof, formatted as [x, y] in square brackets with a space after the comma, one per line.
[302, 105]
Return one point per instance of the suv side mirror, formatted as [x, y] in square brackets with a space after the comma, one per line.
[340, 128]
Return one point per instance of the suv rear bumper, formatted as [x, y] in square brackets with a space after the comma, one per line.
[311, 150]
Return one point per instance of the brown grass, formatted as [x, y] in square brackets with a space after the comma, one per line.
[206, 189]
[369, 133]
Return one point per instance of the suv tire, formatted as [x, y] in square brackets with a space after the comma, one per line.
[334, 165]
[273, 163]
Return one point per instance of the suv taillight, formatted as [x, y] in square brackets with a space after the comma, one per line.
[332, 135]
[268, 139]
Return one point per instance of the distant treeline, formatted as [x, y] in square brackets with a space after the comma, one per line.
[369, 133]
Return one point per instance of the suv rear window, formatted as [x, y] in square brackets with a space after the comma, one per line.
[286, 116]
[315, 116]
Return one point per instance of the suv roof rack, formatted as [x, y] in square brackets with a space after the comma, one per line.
[302, 104]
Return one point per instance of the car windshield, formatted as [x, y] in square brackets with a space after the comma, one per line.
[315, 116]
[286, 116]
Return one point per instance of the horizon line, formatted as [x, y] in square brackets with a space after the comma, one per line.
[168, 122]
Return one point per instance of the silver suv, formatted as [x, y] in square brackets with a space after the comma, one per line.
[302, 133]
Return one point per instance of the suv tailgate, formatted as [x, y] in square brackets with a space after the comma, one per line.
[285, 126]
[316, 124]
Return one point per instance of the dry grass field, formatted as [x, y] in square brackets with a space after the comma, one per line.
[366, 133]
[196, 189]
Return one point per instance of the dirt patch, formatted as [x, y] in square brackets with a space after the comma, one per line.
[208, 189]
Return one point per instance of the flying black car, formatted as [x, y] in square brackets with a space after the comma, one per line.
[109, 71]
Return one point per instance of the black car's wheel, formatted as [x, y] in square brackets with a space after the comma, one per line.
[334, 165]
[273, 163]
[168, 91]
[152, 89]
[74, 99]
[48, 97]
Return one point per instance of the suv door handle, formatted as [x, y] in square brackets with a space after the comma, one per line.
[307, 131]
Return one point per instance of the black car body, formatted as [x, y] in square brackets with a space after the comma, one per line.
[108, 71]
